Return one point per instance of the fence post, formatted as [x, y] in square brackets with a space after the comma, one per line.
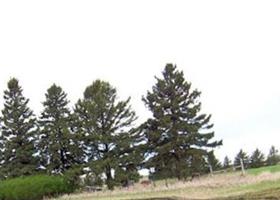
[242, 166]
[211, 169]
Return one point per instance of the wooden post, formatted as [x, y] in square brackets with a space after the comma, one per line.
[166, 183]
[211, 169]
[242, 166]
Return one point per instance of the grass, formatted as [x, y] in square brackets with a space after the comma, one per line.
[271, 169]
[261, 183]
[272, 193]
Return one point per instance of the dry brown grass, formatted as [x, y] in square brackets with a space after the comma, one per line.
[203, 188]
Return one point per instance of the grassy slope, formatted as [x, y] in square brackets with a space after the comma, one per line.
[260, 189]
[268, 194]
[256, 171]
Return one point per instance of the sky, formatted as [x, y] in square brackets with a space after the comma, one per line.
[229, 50]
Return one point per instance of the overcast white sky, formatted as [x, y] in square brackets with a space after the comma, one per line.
[229, 50]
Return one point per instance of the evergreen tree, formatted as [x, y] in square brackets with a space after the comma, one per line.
[257, 159]
[106, 126]
[213, 161]
[273, 157]
[177, 133]
[226, 163]
[18, 127]
[197, 163]
[57, 145]
[241, 155]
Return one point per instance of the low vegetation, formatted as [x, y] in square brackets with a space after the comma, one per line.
[34, 187]
[256, 171]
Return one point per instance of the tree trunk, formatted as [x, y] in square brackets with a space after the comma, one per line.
[109, 180]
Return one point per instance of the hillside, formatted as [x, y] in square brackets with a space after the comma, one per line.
[263, 184]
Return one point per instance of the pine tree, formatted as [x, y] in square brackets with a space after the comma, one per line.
[18, 127]
[197, 164]
[213, 161]
[226, 163]
[178, 132]
[257, 159]
[273, 157]
[241, 155]
[106, 125]
[57, 144]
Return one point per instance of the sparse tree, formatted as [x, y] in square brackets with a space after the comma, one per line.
[273, 157]
[257, 159]
[177, 132]
[242, 155]
[213, 161]
[226, 163]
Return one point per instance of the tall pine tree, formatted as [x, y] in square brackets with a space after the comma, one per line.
[106, 126]
[178, 133]
[18, 127]
[57, 145]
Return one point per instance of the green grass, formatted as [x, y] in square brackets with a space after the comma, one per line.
[250, 188]
[263, 194]
[257, 171]
[263, 191]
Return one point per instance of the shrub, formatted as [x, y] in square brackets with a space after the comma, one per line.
[33, 187]
[72, 177]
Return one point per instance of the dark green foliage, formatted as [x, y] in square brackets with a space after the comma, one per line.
[213, 161]
[226, 163]
[198, 164]
[273, 157]
[178, 133]
[34, 187]
[257, 159]
[123, 176]
[92, 179]
[242, 155]
[18, 127]
[72, 176]
[57, 145]
[105, 126]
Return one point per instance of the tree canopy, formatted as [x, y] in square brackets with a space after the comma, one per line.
[177, 132]
[106, 125]
[18, 128]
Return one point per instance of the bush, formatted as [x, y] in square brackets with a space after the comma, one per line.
[34, 187]
[72, 176]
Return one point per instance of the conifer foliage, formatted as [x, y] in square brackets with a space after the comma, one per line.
[177, 132]
[226, 163]
[213, 161]
[273, 157]
[242, 156]
[18, 128]
[257, 159]
[106, 128]
[56, 145]
[99, 136]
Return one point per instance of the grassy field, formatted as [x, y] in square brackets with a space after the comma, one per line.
[261, 183]
[256, 171]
